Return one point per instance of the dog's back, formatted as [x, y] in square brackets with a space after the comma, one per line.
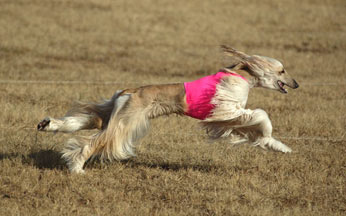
[158, 100]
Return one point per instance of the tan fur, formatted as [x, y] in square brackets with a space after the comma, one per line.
[124, 119]
[123, 126]
[162, 99]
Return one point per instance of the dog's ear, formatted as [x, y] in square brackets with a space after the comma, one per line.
[234, 53]
[239, 65]
[252, 63]
[254, 68]
[238, 58]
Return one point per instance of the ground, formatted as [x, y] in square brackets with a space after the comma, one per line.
[53, 53]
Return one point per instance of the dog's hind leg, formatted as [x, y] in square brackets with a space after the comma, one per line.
[77, 152]
[81, 117]
[116, 141]
[69, 124]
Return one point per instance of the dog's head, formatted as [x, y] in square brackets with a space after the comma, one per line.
[268, 72]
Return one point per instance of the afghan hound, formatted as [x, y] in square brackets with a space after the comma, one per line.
[218, 100]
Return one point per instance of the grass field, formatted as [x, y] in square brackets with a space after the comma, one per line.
[54, 52]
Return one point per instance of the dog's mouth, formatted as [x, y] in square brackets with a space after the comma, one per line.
[281, 87]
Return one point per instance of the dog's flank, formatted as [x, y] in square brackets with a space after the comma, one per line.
[124, 119]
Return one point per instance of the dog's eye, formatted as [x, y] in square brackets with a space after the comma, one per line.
[282, 72]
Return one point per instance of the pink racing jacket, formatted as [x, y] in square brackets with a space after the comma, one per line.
[200, 92]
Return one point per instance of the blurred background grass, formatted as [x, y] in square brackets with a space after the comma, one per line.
[177, 171]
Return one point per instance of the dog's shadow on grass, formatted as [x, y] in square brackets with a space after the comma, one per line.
[46, 159]
[4, 156]
[41, 159]
[51, 159]
[175, 167]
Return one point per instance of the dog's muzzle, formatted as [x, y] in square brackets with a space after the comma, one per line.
[292, 85]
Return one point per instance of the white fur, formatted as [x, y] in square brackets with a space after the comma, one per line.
[230, 118]
[67, 124]
[117, 140]
[124, 129]
[125, 117]
[73, 153]
[273, 144]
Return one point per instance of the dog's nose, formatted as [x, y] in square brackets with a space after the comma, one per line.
[296, 85]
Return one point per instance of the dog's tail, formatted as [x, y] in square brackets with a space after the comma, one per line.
[122, 127]
[126, 126]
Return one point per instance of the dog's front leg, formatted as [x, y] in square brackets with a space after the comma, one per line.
[253, 125]
[259, 118]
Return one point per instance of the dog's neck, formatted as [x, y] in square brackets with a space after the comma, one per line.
[253, 81]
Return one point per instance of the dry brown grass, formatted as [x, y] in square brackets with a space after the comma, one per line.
[177, 172]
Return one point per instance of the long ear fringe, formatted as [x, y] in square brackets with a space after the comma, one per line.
[235, 66]
[237, 59]
[233, 52]
[243, 61]
[254, 68]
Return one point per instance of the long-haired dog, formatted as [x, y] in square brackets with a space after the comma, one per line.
[218, 100]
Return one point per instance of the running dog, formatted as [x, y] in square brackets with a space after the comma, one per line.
[217, 100]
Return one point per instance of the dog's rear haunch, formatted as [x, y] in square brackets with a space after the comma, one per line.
[218, 100]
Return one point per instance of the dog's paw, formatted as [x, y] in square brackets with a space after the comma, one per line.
[273, 144]
[285, 149]
[77, 171]
[42, 126]
[279, 146]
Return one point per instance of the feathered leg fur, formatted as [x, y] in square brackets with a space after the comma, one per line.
[253, 126]
[123, 120]
[116, 141]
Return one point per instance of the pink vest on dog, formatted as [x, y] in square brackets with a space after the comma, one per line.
[200, 92]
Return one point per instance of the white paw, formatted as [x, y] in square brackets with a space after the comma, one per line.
[279, 146]
[285, 149]
[273, 144]
[78, 171]
[76, 166]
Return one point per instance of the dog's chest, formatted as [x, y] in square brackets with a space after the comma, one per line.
[205, 94]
